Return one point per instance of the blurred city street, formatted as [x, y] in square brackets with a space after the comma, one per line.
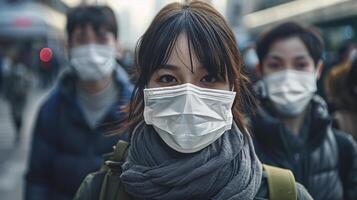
[14, 156]
[283, 70]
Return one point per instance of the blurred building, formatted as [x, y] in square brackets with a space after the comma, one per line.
[134, 16]
[264, 4]
[28, 26]
[336, 19]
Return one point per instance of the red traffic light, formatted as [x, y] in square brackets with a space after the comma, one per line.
[46, 54]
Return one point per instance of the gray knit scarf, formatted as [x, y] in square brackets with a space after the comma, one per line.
[226, 169]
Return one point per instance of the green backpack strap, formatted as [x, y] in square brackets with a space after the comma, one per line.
[281, 183]
[111, 188]
[119, 151]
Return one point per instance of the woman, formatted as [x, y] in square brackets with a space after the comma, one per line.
[188, 136]
[341, 88]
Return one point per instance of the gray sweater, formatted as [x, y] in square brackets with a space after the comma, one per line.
[95, 106]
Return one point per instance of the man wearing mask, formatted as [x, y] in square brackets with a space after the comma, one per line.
[69, 136]
[292, 127]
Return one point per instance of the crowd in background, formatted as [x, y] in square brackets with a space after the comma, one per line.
[304, 115]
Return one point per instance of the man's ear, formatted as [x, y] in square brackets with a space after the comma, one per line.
[259, 70]
[319, 68]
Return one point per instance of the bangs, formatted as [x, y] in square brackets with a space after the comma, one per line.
[155, 47]
[207, 43]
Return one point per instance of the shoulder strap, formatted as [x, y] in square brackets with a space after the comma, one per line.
[120, 150]
[281, 183]
[111, 188]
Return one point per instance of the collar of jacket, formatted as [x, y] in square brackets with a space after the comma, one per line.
[67, 84]
[267, 129]
[66, 91]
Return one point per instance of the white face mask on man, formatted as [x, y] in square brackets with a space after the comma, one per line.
[93, 62]
[290, 91]
[188, 118]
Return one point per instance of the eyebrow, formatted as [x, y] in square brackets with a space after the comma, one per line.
[276, 57]
[175, 67]
[298, 57]
[301, 57]
[169, 66]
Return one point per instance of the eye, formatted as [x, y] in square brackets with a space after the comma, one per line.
[102, 38]
[209, 79]
[301, 65]
[273, 65]
[167, 79]
[80, 39]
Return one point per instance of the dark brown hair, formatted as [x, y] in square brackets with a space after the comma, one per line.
[212, 41]
[352, 79]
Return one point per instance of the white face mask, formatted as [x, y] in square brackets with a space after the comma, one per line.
[290, 91]
[93, 62]
[188, 118]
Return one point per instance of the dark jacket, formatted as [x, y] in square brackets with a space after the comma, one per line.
[316, 162]
[64, 147]
[90, 189]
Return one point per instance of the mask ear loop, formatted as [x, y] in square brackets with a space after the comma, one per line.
[233, 86]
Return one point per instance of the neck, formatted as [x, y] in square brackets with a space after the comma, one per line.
[94, 87]
[294, 124]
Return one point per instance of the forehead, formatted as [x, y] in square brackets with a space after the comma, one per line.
[288, 48]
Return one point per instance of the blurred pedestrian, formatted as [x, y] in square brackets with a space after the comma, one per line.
[342, 94]
[333, 79]
[250, 59]
[70, 132]
[188, 136]
[292, 128]
[1, 68]
[16, 85]
[126, 59]
[346, 53]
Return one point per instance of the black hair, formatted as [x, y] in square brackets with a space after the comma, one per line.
[97, 16]
[213, 43]
[311, 40]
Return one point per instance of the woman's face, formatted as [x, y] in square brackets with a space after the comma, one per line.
[289, 53]
[179, 70]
